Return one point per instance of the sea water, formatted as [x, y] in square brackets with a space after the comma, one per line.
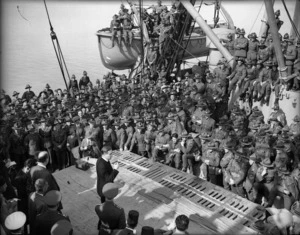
[27, 54]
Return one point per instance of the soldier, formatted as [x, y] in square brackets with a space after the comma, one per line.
[237, 75]
[109, 137]
[15, 147]
[150, 138]
[249, 184]
[265, 83]
[165, 32]
[120, 134]
[154, 21]
[115, 29]
[161, 144]
[241, 45]
[281, 159]
[265, 180]
[279, 23]
[253, 48]
[236, 171]
[247, 85]
[211, 160]
[28, 95]
[129, 132]
[221, 133]
[229, 43]
[84, 80]
[59, 140]
[295, 126]
[47, 219]
[247, 146]
[111, 216]
[290, 56]
[122, 13]
[174, 153]
[286, 188]
[189, 149]
[297, 61]
[73, 84]
[279, 115]
[293, 79]
[139, 139]
[229, 147]
[263, 53]
[127, 31]
[221, 72]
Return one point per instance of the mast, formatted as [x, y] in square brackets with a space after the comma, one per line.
[277, 44]
[207, 30]
[264, 26]
[296, 19]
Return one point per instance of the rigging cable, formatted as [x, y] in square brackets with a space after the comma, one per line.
[290, 18]
[57, 49]
[256, 17]
[21, 14]
[184, 49]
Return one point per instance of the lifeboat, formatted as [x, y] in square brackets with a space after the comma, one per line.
[123, 56]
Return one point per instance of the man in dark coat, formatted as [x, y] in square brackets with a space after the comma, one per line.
[36, 203]
[105, 172]
[46, 220]
[111, 216]
[132, 221]
[20, 183]
[40, 172]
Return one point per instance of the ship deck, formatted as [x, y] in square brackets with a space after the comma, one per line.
[159, 193]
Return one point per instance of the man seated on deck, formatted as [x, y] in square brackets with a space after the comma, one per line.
[111, 216]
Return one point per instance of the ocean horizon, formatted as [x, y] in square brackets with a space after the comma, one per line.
[27, 54]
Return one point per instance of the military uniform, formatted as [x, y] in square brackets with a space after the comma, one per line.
[237, 75]
[174, 154]
[111, 217]
[249, 184]
[16, 148]
[115, 28]
[160, 141]
[295, 126]
[139, 139]
[224, 163]
[252, 50]
[265, 182]
[240, 47]
[290, 56]
[189, 149]
[127, 31]
[212, 159]
[236, 171]
[286, 187]
[59, 140]
[121, 137]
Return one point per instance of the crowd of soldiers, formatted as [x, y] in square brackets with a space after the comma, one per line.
[181, 121]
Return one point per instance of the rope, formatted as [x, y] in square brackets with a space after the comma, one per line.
[290, 18]
[184, 49]
[21, 14]
[57, 49]
[256, 17]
